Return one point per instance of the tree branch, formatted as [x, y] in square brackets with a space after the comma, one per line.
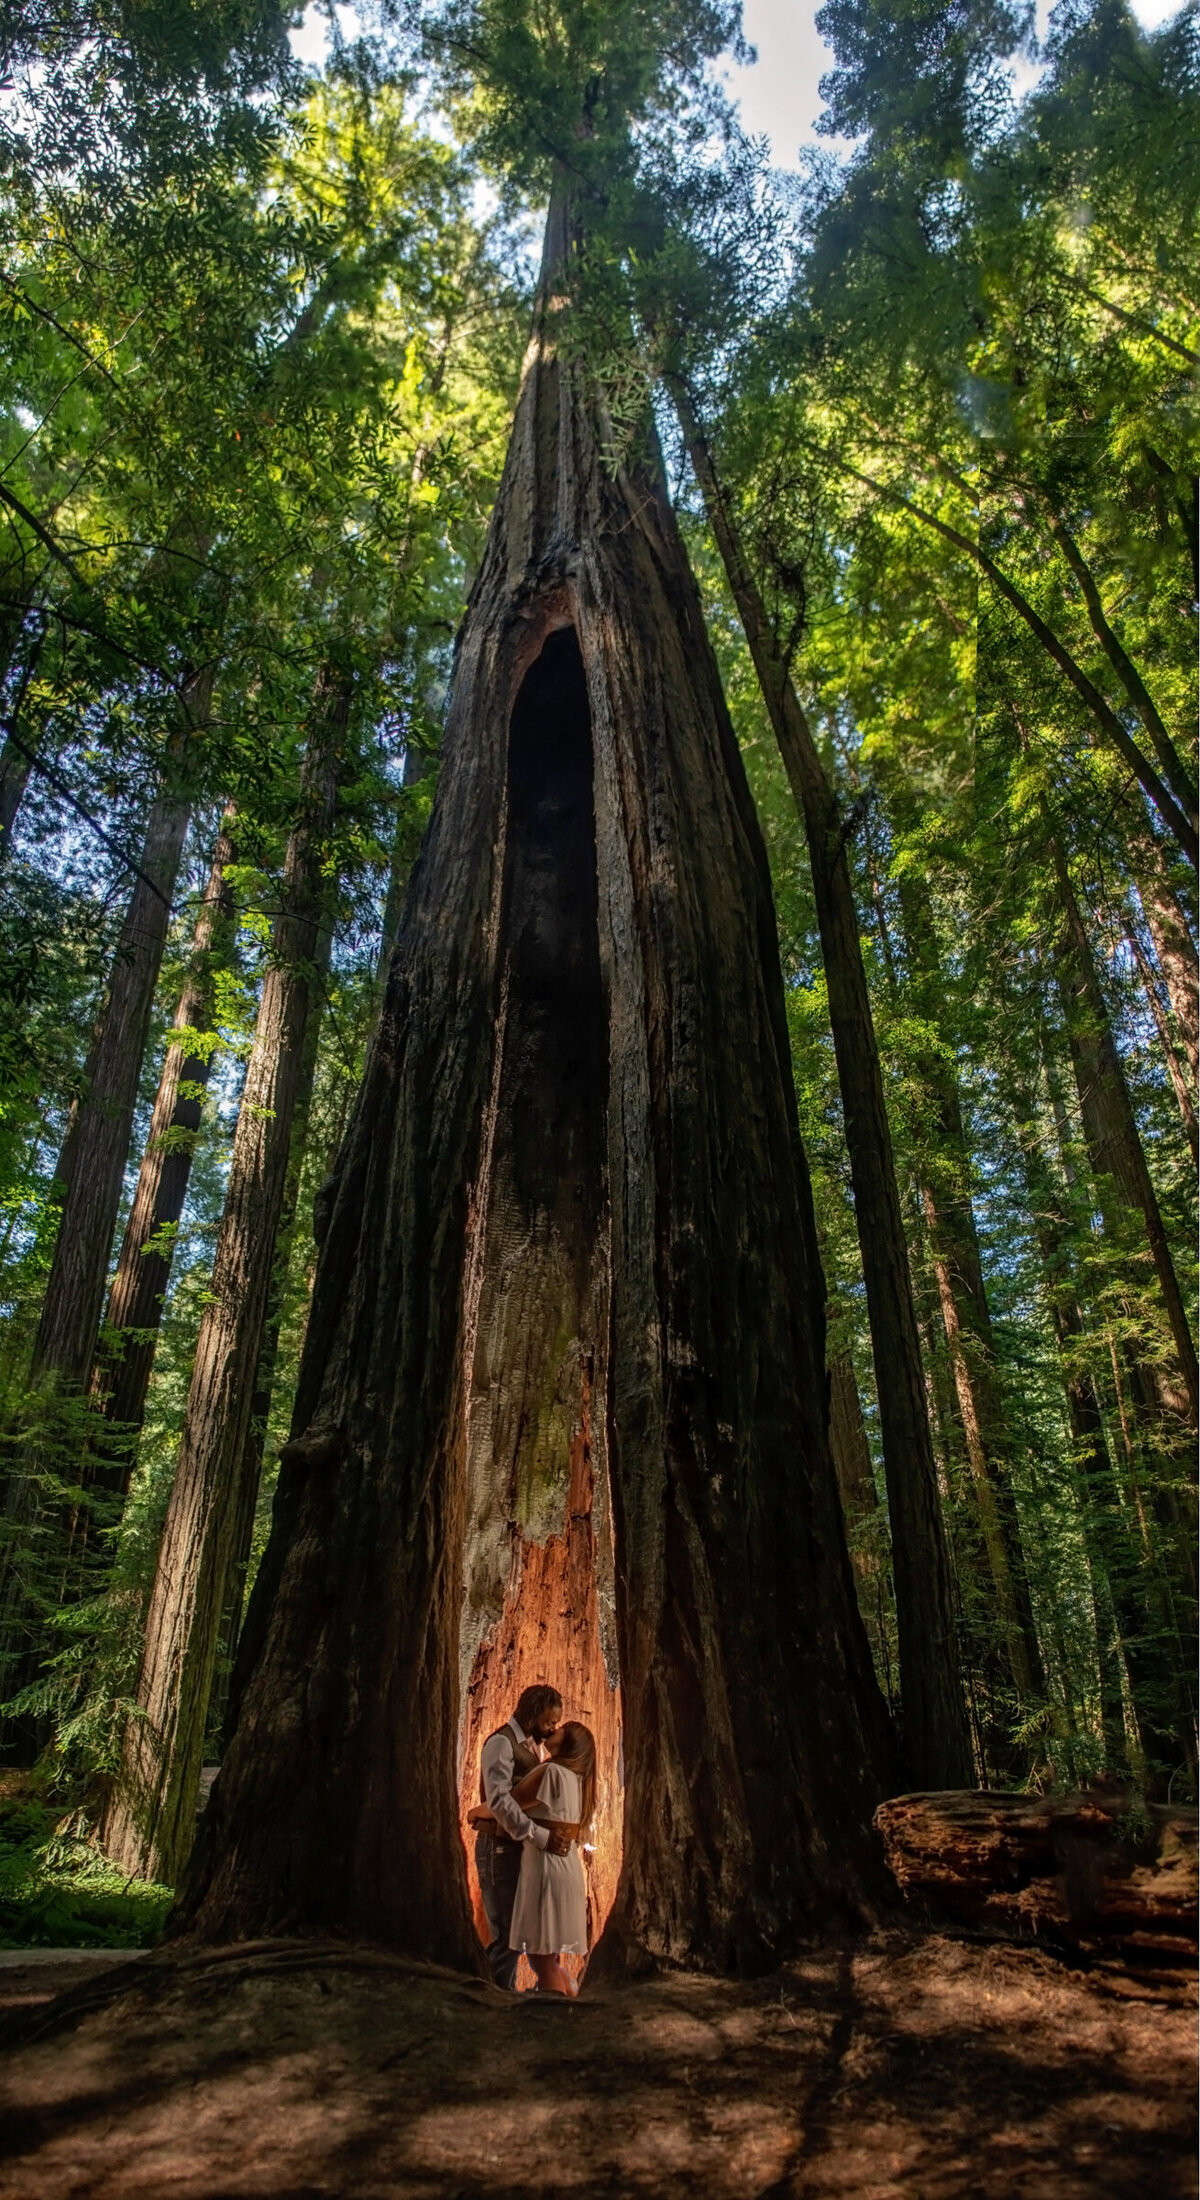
[1106, 717]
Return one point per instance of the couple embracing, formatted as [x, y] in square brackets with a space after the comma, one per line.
[537, 1786]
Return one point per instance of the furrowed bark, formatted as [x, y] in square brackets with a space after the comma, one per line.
[936, 1740]
[567, 1321]
[150, 1817]
[121, 1376]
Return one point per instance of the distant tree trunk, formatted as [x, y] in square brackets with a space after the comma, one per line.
[936, 1739]
[1182, 1086]
[1126, 1547]
[90, 1171]
[121, 1377]
[1114, 1147]
[571, 1255]
[848, 1440]
[1170, 932]
[250, 1474]
[1106, 1533]
[966, 1316]
[16, 760]
[869, 1554]
[95, 1150]
[149, 1821]
[405, 845]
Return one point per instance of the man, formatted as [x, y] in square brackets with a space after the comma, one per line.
[512, 1750]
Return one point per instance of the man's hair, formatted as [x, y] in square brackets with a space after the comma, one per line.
[532, 1702]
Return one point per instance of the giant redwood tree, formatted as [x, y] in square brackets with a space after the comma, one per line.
[562, 1409]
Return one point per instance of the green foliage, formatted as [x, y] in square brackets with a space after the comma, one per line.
[58, 1891]
[258, 353]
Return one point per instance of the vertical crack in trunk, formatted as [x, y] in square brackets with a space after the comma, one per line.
[538, 1563]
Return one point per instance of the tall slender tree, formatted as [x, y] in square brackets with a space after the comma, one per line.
[121, 1377]
[149, 1819]
[936, 1743]
[90, 1174]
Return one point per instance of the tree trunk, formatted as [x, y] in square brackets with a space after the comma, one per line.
[91, 1169]
[1171, 764]
[1176, 1069]
[1178, 821]
[121, 1377]
[1112, 1561]
[406, 844]
[16, 761]
[565, 1356]
[1174, 947]
[865, 1517]
[936, 1740]
[966, 1316]
[268, 1359]
[95, 1150]
[149, 1821]
[1114, 1147]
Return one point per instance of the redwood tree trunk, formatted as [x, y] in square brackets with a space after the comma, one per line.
[1177, 1069]
[966, 1316]
[1114, 1147]
[16, 761]
[91, 1169]
[936, 1738]
[149, 1821]
[91, 1166]
[1108, 1536]
[1174, 946]
[567, 1323]
[135, 1300]
[250, 1473]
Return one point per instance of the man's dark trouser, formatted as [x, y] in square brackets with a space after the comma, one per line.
[498, 1864]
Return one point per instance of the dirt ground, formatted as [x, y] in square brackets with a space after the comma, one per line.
[926, 2066]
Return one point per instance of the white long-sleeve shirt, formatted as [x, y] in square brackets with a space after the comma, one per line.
[497, 1767]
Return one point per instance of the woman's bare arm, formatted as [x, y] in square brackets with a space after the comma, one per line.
[526, 1788]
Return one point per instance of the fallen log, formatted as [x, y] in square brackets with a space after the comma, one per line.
[1096, 1870]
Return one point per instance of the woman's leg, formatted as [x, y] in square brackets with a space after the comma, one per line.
[552, 1978]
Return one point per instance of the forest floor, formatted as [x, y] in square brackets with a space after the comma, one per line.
[922, 2065]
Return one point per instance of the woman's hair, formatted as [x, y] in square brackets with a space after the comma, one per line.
[575, 1751]
[533, 1702]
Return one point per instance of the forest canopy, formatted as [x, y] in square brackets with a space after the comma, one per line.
[927, 411]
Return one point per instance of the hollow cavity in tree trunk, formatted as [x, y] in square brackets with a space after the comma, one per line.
[538, 1595]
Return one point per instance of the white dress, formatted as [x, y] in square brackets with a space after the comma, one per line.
[550, 1912]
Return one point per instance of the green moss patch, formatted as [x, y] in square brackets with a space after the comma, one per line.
[57, 1891]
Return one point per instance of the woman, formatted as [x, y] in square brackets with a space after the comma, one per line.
[550, 1912]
